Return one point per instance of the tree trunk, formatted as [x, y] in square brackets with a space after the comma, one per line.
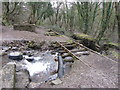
[117, 8]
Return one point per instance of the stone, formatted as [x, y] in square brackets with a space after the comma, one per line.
[51, 34]
[22, 79]
[2, 52]
[68, 58]
[5, 48]
[30, 59]
[34, 85]
[14, 48]
[8, 76]
[15, 56]
[56, 82]
[52, 77]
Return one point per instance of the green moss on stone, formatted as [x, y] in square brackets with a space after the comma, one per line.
[114, 44]
[83, 36]
[69, 41]
[51, 34]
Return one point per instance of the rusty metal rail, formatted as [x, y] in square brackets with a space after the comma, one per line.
[71, 53]
[74, 56]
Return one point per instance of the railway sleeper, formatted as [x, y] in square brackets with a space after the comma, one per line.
[78, 50]
[66, 55]
[82, 53]
[68, 60]
[67, 43]
[62, 51]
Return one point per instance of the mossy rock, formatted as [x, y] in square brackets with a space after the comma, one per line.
[111, 45]
[51, 34]
[81, 36]
[69, 41]
[36, 45]
[115, 54]
[86, 40]
[114, 44]
[31, 44]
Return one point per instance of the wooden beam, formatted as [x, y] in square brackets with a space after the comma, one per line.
[68, 51]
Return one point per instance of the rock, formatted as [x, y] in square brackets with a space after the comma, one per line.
[32, 45]
[30, 59]
[2, 52]
[68, 58]
[22, 79]
[56, 82]
[79, 36]
[52, 77]
[15, 56]
[6, 48]
[86, 40]
[8, 76]
[110, 45]
[20, 66]
[14, 48]
[60, 66]
[34, 85]
[51, 34]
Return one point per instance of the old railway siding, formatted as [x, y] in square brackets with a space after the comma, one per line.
[74, 50]
[107, 68]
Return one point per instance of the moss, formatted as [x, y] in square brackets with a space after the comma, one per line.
[31, 44]
[69, 41]
[83, 36]
[51, 34]
[86, 40]
[114, 44]
[115, 54]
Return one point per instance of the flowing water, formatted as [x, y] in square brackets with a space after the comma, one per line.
[41, 69]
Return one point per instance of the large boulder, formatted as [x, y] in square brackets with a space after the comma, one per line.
[22, 79]
[26, 27]
[8, 76]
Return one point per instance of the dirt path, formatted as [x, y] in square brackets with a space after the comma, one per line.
[103, 73]
[10, 34]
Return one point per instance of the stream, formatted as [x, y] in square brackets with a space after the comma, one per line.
[42, 66]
